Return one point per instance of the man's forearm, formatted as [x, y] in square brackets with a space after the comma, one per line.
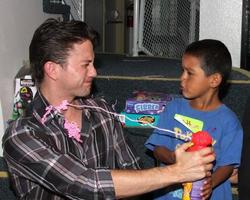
[133, 182]
[189, 166]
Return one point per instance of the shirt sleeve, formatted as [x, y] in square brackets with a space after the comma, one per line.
[161, 137]
[36, 161]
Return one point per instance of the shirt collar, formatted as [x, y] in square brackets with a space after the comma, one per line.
[39, 105]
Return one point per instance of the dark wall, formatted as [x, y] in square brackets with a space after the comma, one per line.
[119, 76]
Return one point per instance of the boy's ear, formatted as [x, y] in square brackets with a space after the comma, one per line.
[51, 69]
[215, 80]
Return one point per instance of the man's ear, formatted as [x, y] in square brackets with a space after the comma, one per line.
[215, 80]
[51, 69]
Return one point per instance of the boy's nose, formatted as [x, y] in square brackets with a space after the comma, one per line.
[182, 77]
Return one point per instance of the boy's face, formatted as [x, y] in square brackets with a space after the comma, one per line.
[194, 82]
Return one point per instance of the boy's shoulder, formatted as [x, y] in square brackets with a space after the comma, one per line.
[226, 116]
[176, 105]
[228, 111]
[178, 101]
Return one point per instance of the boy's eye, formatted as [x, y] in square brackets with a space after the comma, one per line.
[189, 73]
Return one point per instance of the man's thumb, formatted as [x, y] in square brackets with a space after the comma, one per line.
[185, 146]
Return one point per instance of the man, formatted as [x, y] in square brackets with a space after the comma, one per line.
[72, 147]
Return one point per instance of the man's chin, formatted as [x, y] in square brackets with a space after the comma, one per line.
[84, 94]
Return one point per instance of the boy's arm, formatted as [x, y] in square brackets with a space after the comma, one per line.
[164, 155]
[221, 174]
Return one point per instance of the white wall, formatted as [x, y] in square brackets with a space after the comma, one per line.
[221, 19]
[18, 20]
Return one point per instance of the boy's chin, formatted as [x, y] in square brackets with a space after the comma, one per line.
[187, 96]
[183, 94]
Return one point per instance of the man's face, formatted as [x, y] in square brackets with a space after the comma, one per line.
[77, 74]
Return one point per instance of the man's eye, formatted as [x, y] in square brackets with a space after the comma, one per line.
[85, 65]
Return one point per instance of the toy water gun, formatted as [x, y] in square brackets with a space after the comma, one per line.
[200, 140]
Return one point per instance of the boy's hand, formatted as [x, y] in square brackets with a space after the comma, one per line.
[234, 177]
[207, 188]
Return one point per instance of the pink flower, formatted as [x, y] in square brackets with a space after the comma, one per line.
[71, 127]
[73, 130]
[48, 111]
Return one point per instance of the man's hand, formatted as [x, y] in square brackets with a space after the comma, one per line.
[191, 166]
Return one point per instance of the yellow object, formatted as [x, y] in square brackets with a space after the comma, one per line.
[3, 174]
[186, 191]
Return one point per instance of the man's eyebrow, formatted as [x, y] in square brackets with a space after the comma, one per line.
[87, 60]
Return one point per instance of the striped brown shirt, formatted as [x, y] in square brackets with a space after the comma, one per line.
[44, 163]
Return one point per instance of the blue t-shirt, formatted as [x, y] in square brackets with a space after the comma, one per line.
[221, 123]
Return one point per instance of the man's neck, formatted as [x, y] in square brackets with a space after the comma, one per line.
[71, 114]
[54, 96]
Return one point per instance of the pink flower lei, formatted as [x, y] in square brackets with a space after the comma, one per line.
[71, 127]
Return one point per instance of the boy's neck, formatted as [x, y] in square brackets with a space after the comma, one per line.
[206, 104]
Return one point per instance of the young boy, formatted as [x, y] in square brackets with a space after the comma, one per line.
[206, 66]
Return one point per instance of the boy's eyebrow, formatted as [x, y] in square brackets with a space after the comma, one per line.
[187, 68]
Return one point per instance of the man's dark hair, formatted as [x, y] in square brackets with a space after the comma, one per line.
[52, 41]
[214, 57]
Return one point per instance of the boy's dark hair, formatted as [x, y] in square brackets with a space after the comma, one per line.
[52, 41]
[214, 57]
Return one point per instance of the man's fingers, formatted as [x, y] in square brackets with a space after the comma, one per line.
[206, 151]
[185, 146]
[207, 154]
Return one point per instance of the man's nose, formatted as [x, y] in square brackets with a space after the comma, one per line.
[93, 71]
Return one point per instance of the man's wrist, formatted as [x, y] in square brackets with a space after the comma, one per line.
[171, 172]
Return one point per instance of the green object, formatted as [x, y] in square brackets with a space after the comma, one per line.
[192, 124]
[138, 120]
